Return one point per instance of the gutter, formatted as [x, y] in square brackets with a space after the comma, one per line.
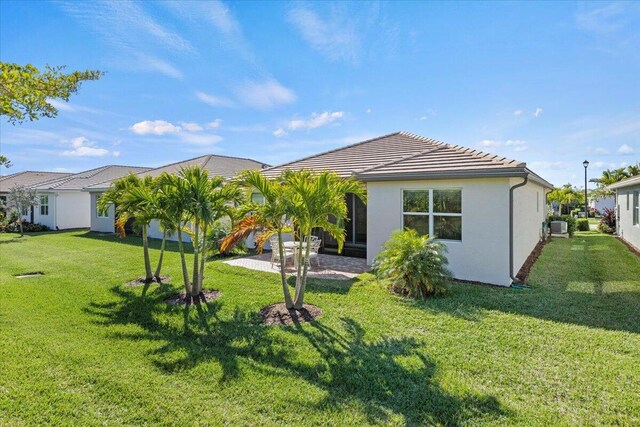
[522, 184]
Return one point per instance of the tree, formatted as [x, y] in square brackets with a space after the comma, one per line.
[20, 199]
[266, 219]
[25, 91]
[566, 195]
[133, 197]
[5, 162]
[314, 199]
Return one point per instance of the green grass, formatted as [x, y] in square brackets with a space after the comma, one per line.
[77, 347]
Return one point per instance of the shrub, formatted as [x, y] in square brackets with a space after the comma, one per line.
[14, 227]
[607, 221]
[413, 265]
[582, 224]
[571, 222]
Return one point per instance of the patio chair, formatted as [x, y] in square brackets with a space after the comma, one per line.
[313, 238]
[275, 252]
[313, 251]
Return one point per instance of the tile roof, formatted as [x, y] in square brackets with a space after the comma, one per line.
[403, 155]
[84, 179]
[224, 166]
[28, 178]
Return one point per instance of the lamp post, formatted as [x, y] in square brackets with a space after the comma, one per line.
[586, 202]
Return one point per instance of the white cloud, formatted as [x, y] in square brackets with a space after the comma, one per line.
[214, 101]
[603, 20]
[600, 150]
[517, 112]
[368, 110]
[60, 105]
[155, 127]
[191, 127]
[279, 133]
[214, 124]
[115, 153]
[430, 113]
[134, 40]
[489, 143]
[316, 120]
[335, 37]
[626, 149]
[537, 112]
[264, 95]
[82, 147]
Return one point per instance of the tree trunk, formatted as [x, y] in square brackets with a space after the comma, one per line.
[283, 275]
[203, 254]
[185, 272]
[159, 267]
[20, 224]
[299, 301]
[195, 288]
[147, 261]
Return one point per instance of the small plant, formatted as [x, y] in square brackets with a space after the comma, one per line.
[607, 221]
[414, 265]
[582, 224]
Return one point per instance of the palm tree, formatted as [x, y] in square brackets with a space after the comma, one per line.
[314, 199]
[133, 197]
[269, 218]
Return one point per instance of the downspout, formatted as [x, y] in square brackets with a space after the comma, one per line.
[522, 184]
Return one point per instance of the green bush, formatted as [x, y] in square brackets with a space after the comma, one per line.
[582, 224]
[571, 222]
[413, 265]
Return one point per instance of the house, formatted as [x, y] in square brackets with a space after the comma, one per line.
[27, 179]
[600, 203]
[63, 204]
[628, 210]
[217, 165]
[488, 210]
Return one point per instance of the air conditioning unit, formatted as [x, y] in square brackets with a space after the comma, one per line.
[559, 227]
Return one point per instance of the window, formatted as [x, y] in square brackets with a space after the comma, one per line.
[25, 211]
[636, 209]
[104, 214]
[434, 212]
[44, 205]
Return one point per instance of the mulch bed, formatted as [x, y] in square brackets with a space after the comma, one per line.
[629, 246]
[205, 296]
[279, 314]
[140, 281]
[531, 259]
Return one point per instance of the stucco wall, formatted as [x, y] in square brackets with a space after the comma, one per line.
[101, 224]
[529, 211]
[73, 210]
[626, 229]
[483, 253]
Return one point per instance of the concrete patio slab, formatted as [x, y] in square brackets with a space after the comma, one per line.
[331, 266]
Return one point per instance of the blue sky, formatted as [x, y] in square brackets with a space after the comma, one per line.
[546, 83]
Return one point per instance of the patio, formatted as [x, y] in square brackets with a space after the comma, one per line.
[331, 266]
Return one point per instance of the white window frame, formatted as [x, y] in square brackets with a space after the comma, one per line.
[100, 214]
[44, 203]
[635, 217]
[431, 214]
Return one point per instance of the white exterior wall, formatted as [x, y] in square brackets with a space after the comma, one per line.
[101, 224]
[50, 219]
[483, 253]
[73, 210]
[154, 232]
[529, 211]
[602, 203]
[626, 229]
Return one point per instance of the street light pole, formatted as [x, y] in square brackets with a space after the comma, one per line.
[586, 202]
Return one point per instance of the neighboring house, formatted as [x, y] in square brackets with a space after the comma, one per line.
[63, 204]
[487, 209]
[628, 210]
[224, 166]
[601, 203]
[27, 179]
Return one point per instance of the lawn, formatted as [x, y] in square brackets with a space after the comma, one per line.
[78, 347]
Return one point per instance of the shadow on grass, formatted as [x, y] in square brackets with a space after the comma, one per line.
[381, 378]
[331, 286]
[170, 246]
[587, 280]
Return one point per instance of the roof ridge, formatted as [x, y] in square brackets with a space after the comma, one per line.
[332, 150]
